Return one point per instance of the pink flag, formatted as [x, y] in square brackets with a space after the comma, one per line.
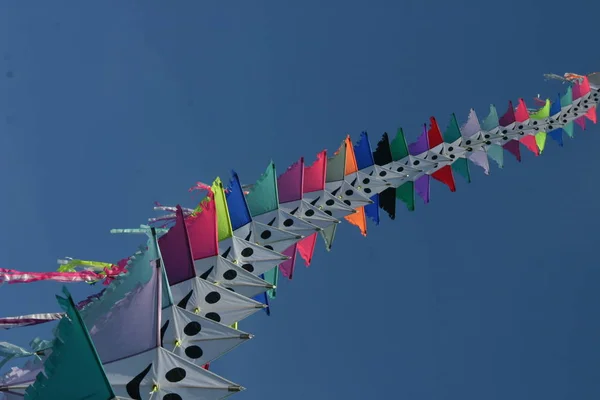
[289, 184]
[314, 175]
[314, 180]
[287, 267]
[202, 229]
[522, 114]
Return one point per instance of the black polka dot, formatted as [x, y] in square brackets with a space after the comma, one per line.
[468, 142]
[213, 316]
[212, 297]
[400, 169]
[488, 142]
[265, 234]
[434, 157]
[520, 126]
[366, 181]
[247, 252]
[309, 213]
[230, 274]
[450, 148]
[268, 246]
[194, 352]
[193, 328]
[175, 375]
[486, 136]
[347, 202]
[367, 190]
[249, 267]
[349, 192]
[550, 127]
[417, 162]
[382, 173]
[328, 213]
[288, 222]
[505, 138]
[452, 156]
[534, 122]
[329, 202]
[172, 396]
[504, 132]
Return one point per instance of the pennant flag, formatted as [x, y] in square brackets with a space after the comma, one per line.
[470, 131]
[399, 149]
[202, 229]
[554, 111]
[512, 146]
[225, 228]
[434, 138]
[73, 370]
[591, 115]
[565, 101]
[239, 213]
[315, 174]
[453, 135]
[263, 197]
[290, 189]
[416, 148]
[359, 219]
[314, 181]
[508, 121]
[581, 88]
[364, 159]
[490, 123]
[290, 183]
[176, 251]
[382, 156]
[535, 143]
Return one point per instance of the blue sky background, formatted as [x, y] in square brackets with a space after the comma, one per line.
[487, 293]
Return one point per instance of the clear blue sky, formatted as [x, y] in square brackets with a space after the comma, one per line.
[487, 293]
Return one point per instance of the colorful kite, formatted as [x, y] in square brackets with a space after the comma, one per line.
[173, 307]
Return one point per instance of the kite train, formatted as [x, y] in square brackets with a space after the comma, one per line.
[173, 307]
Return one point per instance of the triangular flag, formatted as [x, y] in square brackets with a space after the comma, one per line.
[364, 159]
[358, 219]
[420, 146]
[382, 156]
[444, 174]
[399, 149]
[512, 146]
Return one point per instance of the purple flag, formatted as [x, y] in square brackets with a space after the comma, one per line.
[418, 147]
